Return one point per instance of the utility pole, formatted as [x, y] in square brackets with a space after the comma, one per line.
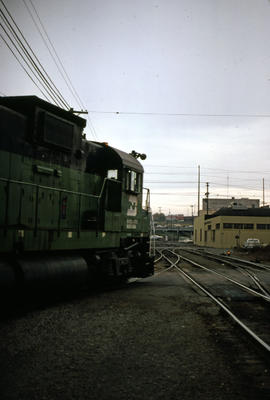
[192, 214]
[199, 184]
[263, 194]
[207, 197]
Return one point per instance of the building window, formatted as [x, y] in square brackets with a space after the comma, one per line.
[227, 226]
[248, 226]
[217, 226]
[209, 227]
[261, 226]
[195, 235]
[205, 236]
[200, 235]
[213, 236]
[238, 226]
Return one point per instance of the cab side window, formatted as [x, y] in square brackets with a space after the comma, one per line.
[112, 174]
[133, 181]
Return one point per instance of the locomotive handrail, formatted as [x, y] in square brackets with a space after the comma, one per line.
[38, 187]
[103, 185]
[99, 202]
[57, 190]
[102, 192]
[147, 200]
[99, 196]
[48, 187]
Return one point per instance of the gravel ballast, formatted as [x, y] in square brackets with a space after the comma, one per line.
[156, 338]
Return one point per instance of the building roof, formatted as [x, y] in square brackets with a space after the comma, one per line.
[248, 212]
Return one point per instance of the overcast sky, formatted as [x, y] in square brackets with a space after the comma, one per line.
[136, 64]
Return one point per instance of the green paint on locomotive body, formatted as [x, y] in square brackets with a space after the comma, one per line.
[46, 206]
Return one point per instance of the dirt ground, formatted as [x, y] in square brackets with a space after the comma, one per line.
[256, 254]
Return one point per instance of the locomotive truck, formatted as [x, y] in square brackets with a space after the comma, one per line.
[71, 210]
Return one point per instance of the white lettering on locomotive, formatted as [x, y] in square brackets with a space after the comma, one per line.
[132, 206]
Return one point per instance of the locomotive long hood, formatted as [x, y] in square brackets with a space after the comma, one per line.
[27, 105]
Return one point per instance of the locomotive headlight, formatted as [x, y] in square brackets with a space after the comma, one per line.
[138, 155]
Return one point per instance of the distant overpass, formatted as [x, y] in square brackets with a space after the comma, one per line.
[176, 233]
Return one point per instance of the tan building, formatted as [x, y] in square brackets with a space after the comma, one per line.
[215, 204]
[229, 227]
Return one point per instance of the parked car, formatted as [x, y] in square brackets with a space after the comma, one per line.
[185, 240]
[156, 237]
[251, 243]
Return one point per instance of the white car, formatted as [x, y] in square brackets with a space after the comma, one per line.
[156, 237]
[251, 243]
[185, 240]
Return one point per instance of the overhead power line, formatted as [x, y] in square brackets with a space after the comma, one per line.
[53, 53]
[181, 114]
[216, 184]
[173, 194]
[57, 61]
[193, 174]
[227, 171]
[194, 194]
[21, 64]
[146, 181]
[28, 56]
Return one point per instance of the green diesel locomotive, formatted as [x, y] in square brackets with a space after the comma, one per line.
[71, 209]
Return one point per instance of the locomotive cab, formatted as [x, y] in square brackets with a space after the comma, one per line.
[122, 187]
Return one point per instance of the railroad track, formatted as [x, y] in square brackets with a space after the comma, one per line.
[234, 290]
[258, 273]
[228, 260]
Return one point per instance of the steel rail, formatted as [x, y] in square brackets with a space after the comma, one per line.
[132, 280]
[223, 306]
[164, 270]
[265, 297]
[255, 279]
[173, 264]
[263, 266]
[240, 260]
[242, 269]
[158, 259]
[227, 310]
